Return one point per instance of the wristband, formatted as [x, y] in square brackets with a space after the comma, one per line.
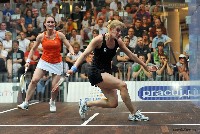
[28, 60]
[74, 69]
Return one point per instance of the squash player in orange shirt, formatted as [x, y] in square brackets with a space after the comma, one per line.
[50, 61]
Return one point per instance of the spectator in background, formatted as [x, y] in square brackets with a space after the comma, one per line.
[50, 5]
[28, 18]
[158, 52]
[20, 26]
[124, 61]
[76, 37]
[142, 12]
[3, 31]
[145, 24]
[23, 42]
[3, 71]
[103, 13]
[183, 69]
[153, 32]
[165, 69]
[133, 38]
[41, 18]
[128, 20]
[37, 4]
[77, 16]
[99, 26]
[7, 43]
[161, 38]
[144, 50]
[138, 28]
[139, 73]
[71, 59]
[30, 34]
[71, 25]
[14, 59]
[146, 41]
[86, 67]
[56, 16]
[33, 63]
[7, 12]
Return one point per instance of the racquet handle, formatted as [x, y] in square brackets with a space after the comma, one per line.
[26, 69]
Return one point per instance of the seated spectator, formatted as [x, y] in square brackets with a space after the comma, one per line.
[183, 69]
[161, 38]
[3, 31]
[144, 50]
[157, 24]
[86, 66]
[23, 42]
[159, 51]
[76, 37]
[20, 26]
[14, 59]
[99, 26]
[30, 34]
[71, 59]
[165, 69]
[139, 73]
[3, 71]
[33, 63]
[146, 40]
[7, 43]
[124, 61]
[133, 38]
[95, 33]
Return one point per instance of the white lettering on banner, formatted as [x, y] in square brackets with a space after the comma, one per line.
[84, 90]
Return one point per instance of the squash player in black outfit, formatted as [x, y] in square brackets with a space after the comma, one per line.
[104, 48]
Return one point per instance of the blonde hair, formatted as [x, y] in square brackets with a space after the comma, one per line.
[76, 44]
[8, 33]
[115, 23]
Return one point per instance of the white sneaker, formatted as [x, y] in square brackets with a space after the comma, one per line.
[131, 117]
[23, 106]
[139, 116]
[82, 108]
[52, 106]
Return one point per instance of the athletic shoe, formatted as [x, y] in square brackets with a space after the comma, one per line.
[131, 117]
[52, 106]
[23, 106]
[139, 116]
[82, 108]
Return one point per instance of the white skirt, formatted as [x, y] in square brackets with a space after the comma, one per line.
[49, 67]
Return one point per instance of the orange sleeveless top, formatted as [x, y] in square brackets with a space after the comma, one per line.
[51, 49]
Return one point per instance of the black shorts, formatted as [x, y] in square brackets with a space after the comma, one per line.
[94, 75]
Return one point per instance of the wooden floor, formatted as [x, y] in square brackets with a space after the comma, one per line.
[165, 118]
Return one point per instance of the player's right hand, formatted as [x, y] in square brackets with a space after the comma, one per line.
[70, 72]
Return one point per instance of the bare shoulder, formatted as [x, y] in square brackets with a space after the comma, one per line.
[99, 38]
[61, 35]
[40, 37]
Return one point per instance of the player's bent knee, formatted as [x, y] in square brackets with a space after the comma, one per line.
[113, 104]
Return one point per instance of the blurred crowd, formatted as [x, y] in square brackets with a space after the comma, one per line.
[81, 21]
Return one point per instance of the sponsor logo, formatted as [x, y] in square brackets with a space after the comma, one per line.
[169, 93]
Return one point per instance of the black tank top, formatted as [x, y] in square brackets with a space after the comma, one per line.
[103, 56]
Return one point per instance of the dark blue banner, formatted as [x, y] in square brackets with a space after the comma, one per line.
[169, 93]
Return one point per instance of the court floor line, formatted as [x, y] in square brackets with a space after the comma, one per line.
[152, 112]
[5, 111]
[90, 119]
[99, 125]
